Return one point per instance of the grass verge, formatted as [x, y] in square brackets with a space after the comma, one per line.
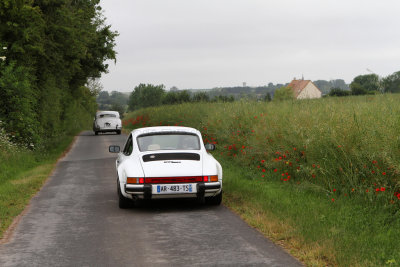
[317, 231]
[22, 174]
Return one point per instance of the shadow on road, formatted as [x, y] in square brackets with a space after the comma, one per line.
[170, 205]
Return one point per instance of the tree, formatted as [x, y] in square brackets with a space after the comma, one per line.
[267, 97]
[146, 96]
[201, 97]
[365, 84]
[339, 92]
[283, 93]
[55, 49]
[391, 84]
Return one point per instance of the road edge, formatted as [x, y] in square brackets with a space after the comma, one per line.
[8, 234]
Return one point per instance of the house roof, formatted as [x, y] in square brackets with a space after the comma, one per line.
[298, 86]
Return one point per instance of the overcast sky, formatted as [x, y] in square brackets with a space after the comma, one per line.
[199, 44]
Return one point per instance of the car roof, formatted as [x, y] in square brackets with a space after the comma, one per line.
[161, 129]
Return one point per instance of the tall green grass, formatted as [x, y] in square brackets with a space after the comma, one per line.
[345, 152]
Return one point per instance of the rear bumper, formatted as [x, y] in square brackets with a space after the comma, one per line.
[108, 129]
[145, 191]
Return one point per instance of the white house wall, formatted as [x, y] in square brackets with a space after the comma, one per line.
[310, 91]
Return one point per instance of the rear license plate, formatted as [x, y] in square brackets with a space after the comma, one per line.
[173, 188]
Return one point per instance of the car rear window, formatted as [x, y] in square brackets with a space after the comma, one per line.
[168, 141]
[107, 116]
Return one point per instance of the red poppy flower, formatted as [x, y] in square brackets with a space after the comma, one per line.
[275, 170]
[377, 190]
[334, 190]
[263, 170]
[262, 161]
[383, 189]
[383, 173]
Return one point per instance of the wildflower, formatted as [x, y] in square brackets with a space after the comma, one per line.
[333, 200]
[263, 170]
[377, 189]
[383, 173]
[334, 190]
[243, 147]
[275, 170]
[263, 176]
[258, 166]
[374, 162]
[313, 175]
[367, 190]
[262, 161]
[383, 189]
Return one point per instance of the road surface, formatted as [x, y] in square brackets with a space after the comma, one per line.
[75, 221]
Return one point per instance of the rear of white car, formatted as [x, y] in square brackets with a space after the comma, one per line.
[168, 162]
[107, 121]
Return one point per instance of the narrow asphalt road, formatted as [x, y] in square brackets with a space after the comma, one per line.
[75, 221]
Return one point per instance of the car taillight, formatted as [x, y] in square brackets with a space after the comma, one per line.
[131, 180]
[210, 178]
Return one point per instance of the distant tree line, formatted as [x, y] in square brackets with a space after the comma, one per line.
[113, 101]
[370, 84]
[49, 51]
[148, 95]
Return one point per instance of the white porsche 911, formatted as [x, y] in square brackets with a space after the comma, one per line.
[167, 162]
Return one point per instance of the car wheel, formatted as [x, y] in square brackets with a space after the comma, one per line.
[216, 200]
[118, 132]
[96, 133]
[123, 202]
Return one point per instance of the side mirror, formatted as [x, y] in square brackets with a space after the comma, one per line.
[210, 147]
[114, 149]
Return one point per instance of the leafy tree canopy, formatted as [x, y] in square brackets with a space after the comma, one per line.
[365, 84]
[53, 48]
[284, 93]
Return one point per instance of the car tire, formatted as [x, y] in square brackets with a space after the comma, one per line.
[96, 133]
[123, 202]
[216, 200]
[118, 132]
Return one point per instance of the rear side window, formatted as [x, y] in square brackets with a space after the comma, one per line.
[128, 146]
[168, 141]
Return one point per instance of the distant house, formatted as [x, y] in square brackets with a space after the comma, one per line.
[305, 89]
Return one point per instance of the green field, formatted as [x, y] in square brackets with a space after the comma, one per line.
[320, 177]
